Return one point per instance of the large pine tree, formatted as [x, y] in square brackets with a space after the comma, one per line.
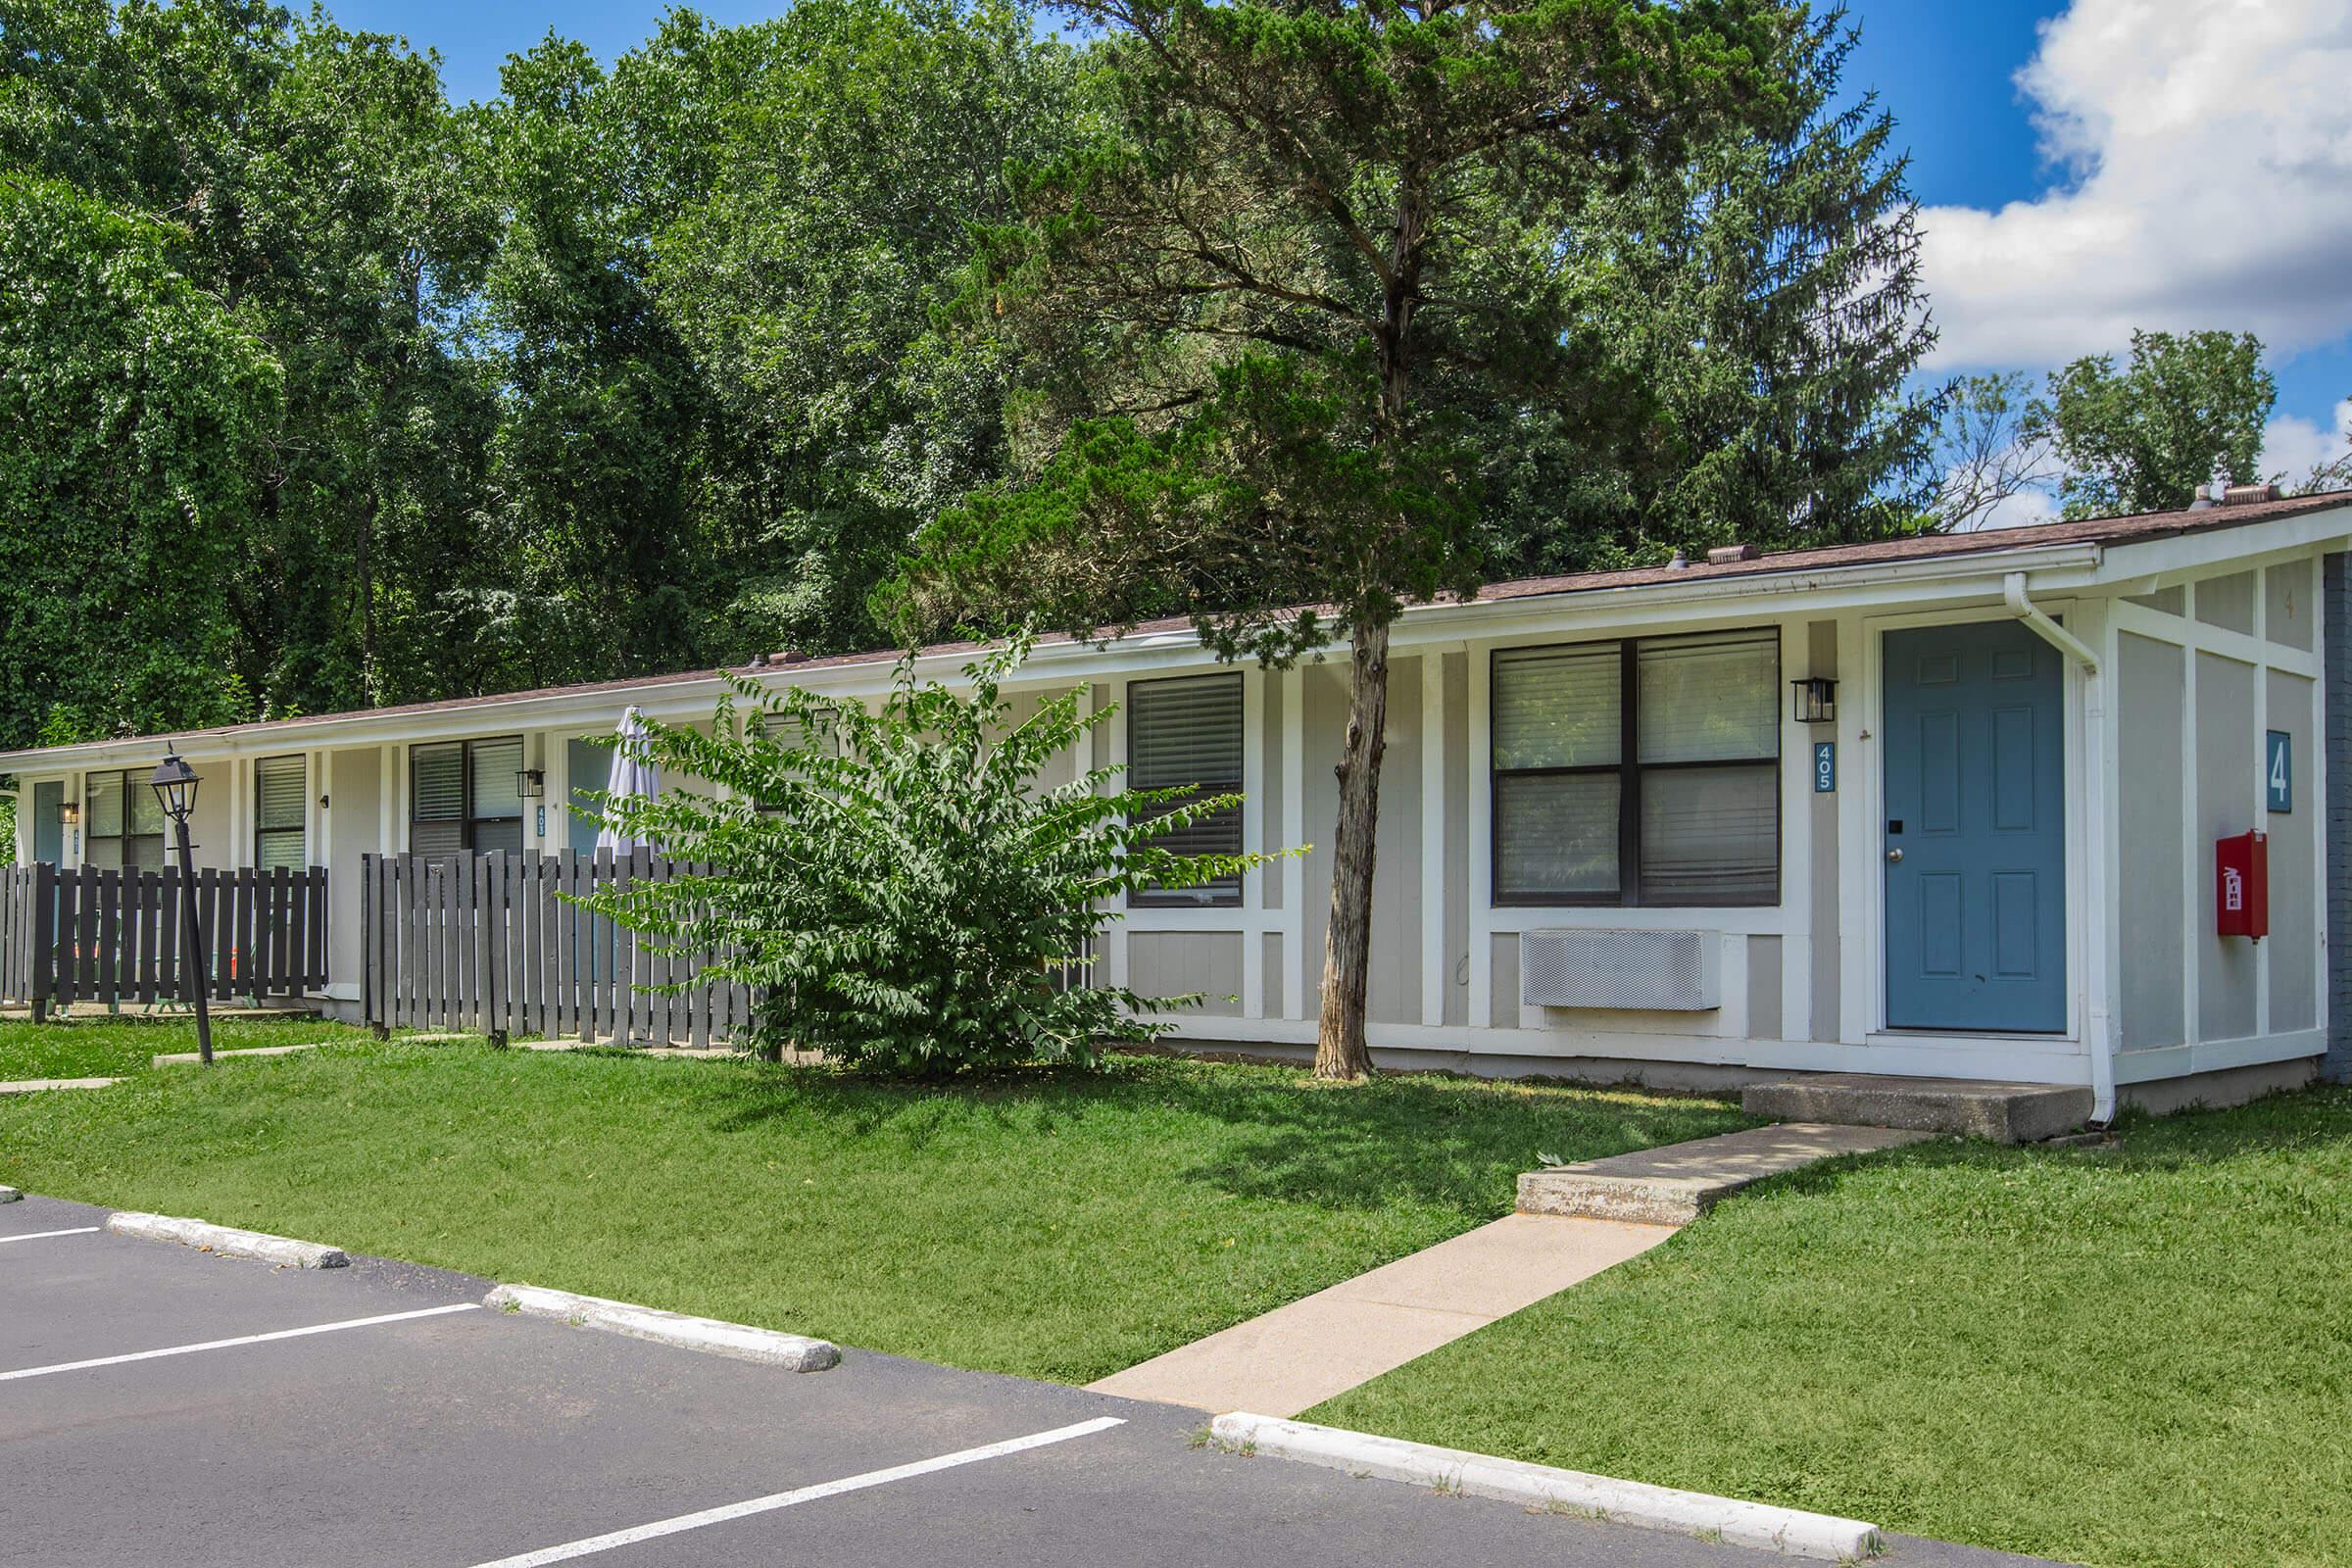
[1765, 301]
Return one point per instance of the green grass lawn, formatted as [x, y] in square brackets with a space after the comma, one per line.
[1057, 1226]
[97, 1044]
[2137, 1357]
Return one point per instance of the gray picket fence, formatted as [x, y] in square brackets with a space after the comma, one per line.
[91, 934]
[491, 943]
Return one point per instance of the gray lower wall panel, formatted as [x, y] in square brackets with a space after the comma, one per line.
[354, 787]
[2227, 772]
[2294, 856]
[1175, 964]
[2149, 680]
[1503, 1001]
[1763, 988]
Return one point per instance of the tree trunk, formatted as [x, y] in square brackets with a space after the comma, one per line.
[1340, 1048]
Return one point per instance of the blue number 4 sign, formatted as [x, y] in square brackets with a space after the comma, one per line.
[2279, 770]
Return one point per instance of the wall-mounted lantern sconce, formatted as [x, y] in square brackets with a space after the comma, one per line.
[69, 813]
[1816, 700]
[531, 783]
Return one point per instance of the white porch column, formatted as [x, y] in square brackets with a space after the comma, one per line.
[1437, 974]
[1294, 833]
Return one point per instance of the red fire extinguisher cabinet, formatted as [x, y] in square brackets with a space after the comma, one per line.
[2241, 886]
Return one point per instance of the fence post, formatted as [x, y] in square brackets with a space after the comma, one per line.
[43, 960]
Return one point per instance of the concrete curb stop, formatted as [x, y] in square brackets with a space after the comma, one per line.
[792, 1351]
[1626, 1502]
[282, 1250]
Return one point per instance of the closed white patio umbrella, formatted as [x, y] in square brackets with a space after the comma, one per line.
[633, 776]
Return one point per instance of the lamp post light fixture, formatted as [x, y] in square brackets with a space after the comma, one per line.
[174, 784]
[1816, 700]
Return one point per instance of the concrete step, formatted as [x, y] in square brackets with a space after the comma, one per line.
[1676, 1183]
[2004, 1113]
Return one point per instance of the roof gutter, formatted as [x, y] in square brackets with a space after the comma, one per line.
[2097, 1027]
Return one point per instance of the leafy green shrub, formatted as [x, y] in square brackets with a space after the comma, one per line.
[896, 886]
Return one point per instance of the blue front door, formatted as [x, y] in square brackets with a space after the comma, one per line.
[1975, 833]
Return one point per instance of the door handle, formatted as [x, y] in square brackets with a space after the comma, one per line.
[1895, 855]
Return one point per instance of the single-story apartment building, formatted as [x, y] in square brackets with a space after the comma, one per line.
[1950, 806]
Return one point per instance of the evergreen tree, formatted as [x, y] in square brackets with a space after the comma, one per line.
[1765, 299]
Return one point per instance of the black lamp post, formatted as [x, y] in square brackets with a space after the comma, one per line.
[174, 784]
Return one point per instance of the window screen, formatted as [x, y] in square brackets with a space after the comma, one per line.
[496, 804]
[1187, 734]
[1638, 772]
[279, 794]
[437, 798]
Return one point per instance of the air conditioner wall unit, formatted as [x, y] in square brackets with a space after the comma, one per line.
[1631, 971]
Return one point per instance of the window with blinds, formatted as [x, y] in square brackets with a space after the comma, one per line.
[279, 794]
[122, 822]
[1187, 734]
[1638, 772]
[494, 793]
[464, 795]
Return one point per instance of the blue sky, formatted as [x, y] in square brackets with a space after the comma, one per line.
[2123, 232]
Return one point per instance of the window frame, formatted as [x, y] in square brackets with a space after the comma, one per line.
[1211, 896]
[468, 820]
[133, 779]
[1628, 771]
[300, 830]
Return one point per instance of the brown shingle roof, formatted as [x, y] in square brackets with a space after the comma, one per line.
[2133, 529]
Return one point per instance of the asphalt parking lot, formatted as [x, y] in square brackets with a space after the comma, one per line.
[378, 1414]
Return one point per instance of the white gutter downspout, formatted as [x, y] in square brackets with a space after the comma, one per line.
[2098, 1038]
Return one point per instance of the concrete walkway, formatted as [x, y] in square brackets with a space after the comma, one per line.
[1299, 1355]
[37, 1086]
[1574, 1221]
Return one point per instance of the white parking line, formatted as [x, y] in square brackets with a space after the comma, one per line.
[787, 1499]
[244, 1338]
[34, 1236]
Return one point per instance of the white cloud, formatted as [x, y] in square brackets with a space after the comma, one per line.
[2291, 447]
[2208, 145]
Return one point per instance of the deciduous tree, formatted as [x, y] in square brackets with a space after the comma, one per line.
[2144, 437]
[1267, 308]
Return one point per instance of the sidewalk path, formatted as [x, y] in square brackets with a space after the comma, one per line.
[41, 1086]
[1297, 1357]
